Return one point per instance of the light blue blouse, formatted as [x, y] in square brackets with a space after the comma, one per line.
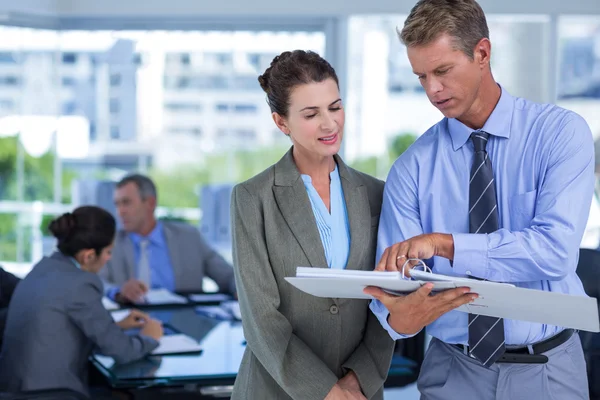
[333, 228]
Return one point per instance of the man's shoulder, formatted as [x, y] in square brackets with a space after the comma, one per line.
[178, 227]
[546, 114]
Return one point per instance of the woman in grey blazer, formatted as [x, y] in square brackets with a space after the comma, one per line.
[56, 317]
[309, 209]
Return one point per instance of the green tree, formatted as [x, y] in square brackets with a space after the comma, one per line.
[400, 143]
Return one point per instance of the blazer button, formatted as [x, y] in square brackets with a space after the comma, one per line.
[334, 309]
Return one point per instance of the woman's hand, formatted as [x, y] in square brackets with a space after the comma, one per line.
[135, 319]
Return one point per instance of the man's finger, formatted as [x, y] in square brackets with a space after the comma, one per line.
[423, 292]
[450, 295]
[143, 286]
[381, 264]
[379, 294]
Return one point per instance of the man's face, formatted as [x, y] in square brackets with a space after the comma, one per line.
[450, 78]
[132, 209]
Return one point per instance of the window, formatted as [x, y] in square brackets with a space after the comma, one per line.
[7, 58]
[245, 108]
[69, 58]
[222, 107]
[6, 104]
[68, 81]
[184, 59]
[145, 111]
[183, 107]
[9, 81]
[114, 106]
[115, 80]
[69, 107]
[115, 132]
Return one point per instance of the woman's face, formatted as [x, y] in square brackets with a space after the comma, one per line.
[93, 262]
[315, 121]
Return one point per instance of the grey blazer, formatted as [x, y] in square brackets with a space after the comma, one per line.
[298, 346]
[55, 320]
[191, 258]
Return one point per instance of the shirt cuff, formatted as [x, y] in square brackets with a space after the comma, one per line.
[382, 315]
[111, 293]
[471, 255]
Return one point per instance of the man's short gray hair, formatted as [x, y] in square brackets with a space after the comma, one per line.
[144, 184]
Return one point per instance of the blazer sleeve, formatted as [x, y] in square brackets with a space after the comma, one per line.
[215, 266]
[88, 314]
[372, 358]
[291, 363]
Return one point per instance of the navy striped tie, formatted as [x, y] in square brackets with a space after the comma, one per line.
[486, 334]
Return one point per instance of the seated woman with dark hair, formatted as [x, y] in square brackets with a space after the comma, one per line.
[56, 317]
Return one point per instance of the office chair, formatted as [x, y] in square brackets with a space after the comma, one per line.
[588, 270]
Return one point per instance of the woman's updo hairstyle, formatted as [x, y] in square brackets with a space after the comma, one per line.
[88, 227]
[291, 69]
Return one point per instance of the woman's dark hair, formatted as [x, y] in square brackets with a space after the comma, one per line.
[291, 69]
[88, 227]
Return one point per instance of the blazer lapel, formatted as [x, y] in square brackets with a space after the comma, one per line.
[292, 199]
[174, 255]
[359, 215]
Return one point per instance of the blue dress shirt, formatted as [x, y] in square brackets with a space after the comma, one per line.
[161, 271]
[333, 228]
[543, 162]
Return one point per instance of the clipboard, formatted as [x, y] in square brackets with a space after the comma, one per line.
[495, 299]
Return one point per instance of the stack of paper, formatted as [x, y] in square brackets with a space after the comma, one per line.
[495, 299]
[109, 304]
[177, 344]
[162, 296]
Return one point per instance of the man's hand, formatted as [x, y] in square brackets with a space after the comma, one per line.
[337, 392]
[153, 328]
[135, 319]
[409, 314]
[419, 247]
[132, 291]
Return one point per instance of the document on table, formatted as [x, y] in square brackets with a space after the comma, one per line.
[495, 299]
[209, 297]
[162, 296]
[109, 304]
[177, 344]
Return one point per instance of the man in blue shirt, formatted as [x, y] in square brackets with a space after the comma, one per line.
[500, 189]
[151, 254]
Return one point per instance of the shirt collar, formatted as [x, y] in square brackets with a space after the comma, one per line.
[155, 236]
[333, 176]
[498, 123]
[74, 261]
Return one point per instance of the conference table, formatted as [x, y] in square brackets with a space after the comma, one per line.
[210, 373]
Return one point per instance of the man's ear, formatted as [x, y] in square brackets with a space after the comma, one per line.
[483, 52]
[281, 123]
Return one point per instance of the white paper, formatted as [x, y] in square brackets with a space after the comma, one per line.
[162, 296]
[109, 304]
[233, 308]
[119, 315]
[209, 297]
[495, 299]
[178, 343]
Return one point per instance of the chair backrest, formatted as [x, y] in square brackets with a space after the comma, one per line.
[588, 270]
[49, 394]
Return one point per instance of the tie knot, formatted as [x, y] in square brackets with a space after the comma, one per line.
[480, 140]
[144, 243]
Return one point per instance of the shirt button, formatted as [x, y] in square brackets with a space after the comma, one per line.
[468, 272]
[334, 309]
